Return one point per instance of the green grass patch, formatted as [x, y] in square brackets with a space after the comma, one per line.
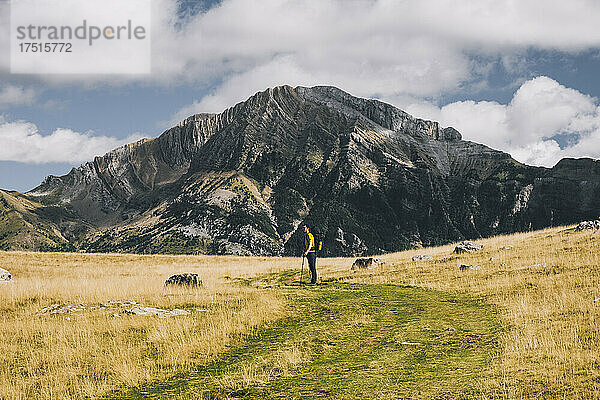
[350, 341]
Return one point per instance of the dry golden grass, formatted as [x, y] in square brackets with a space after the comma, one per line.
[551, 346]
[90, 352]
[549, 349]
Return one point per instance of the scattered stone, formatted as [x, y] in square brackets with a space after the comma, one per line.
[66, 309]
[597, 300]
[507, 247]
[150, 311]
[467, 247]
[5, 276]
[71, 308]
[123, 307]
[365, 263]
[492, 258]
[540, 265]
[465, 267]
[187, 279]
[422, 257]
[585, 225]
[118, 303]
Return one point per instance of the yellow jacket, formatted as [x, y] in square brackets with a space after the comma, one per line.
[309, 242]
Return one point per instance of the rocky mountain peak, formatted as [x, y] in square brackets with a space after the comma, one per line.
[370, 177]
[385, 116]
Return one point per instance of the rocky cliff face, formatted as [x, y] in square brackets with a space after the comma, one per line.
[368, 176]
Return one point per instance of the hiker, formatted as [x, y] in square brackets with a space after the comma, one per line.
[311, 254]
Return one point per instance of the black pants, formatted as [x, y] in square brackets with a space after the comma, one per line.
[312, 266]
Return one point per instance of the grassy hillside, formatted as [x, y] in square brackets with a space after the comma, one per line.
[26, 224]
[550, 346]
[525, 325]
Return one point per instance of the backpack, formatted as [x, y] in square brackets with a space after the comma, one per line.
[318, 241]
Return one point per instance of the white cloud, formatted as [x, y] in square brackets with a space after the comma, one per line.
[384, 47]
[22, 142]
[531, 126]
[11, 95]
[542, 108]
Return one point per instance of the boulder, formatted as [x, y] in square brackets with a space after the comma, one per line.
[187, 279]
[365, 263]
[422, 257]
[467, 247]
[151, 311]
[5, 276]
[465, 267]
[585, 225]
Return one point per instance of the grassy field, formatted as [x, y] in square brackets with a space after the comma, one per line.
[87, 353]
[525, 325]
[351, 341]
[551, 345]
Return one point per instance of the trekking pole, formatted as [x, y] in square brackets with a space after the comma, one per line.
[302, 270]
[316, 264]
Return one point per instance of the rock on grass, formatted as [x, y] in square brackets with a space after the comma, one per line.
[365, 263]
[467, 247]
[465, 267]
[190, 280]
[5, 276]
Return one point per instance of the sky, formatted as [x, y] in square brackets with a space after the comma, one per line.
[519, 76]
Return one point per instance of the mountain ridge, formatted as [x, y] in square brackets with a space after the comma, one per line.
[371, 177]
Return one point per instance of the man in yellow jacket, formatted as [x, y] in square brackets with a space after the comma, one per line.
[311, 254]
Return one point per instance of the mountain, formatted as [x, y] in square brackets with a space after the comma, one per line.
[370, 177]
[26, 224]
